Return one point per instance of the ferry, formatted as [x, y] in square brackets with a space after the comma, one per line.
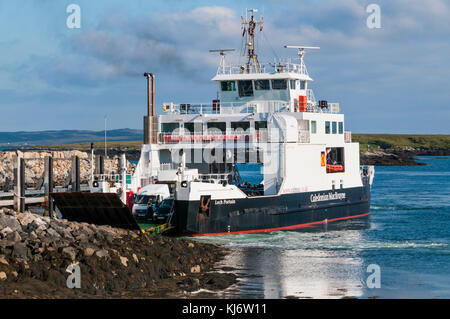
[265, 114]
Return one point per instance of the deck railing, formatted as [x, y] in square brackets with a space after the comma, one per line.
[227, 107]
[248, 107]
[280, 66]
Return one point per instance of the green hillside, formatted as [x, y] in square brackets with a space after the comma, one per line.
[401, 141]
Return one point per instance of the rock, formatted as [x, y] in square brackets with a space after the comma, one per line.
[135, 258]
[52, 233]
[14, 236]
[70, 251]
[195, 269]
[39, 221]
[88, 252]
[20, 251]
[26, 218]
[5, 232]
[3, 261]
[3, 275]
[11, 222]
[103, 253]
[124, 261]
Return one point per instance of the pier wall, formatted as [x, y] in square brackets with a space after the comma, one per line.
[34, 166]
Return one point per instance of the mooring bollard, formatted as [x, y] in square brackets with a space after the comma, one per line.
[48, 182]
[75, 174]
[19, 184]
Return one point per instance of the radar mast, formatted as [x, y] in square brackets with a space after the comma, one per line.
[248, 26]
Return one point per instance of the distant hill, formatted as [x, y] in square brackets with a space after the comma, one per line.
[22, 138]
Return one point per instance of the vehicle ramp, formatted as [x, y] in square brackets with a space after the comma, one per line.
[95, 208]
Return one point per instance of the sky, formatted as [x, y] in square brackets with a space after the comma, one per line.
[392, 79]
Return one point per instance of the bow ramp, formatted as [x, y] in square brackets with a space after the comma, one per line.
[95, 208]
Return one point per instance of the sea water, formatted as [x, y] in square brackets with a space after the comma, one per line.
[407, 238]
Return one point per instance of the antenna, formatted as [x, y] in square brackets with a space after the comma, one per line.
[249, 32]
[301, 50]
[222, 57]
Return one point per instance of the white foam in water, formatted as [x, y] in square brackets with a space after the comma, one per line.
[335, 240]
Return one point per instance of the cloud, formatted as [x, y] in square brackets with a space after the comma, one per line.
[176, 42]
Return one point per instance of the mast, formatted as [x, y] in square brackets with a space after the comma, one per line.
[249, 32]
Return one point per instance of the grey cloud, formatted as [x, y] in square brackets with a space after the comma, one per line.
[158, 43]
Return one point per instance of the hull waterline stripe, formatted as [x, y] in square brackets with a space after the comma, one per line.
[280, 228]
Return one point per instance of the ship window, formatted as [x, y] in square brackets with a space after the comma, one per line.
[279, 84]
[327, 127]
[228, 86]
[169, 127]
[193, 127]
[245, 88]
[313, 127]
[215, 127]
[244, 126]
[302, 85]
[293, 86]
[262, 85]
[341, 128]
[260, 125]
[334, 128]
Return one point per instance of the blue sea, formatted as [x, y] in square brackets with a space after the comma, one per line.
[407, 238]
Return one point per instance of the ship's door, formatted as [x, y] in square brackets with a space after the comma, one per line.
[204, 211]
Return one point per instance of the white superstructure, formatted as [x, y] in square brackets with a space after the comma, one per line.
[264, 113]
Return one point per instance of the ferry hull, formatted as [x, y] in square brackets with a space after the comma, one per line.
[271, 213]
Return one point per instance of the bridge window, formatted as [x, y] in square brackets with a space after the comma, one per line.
[228, 85]
[169, 127]
[334, 128]
[217, 127]
[341, 127]
[245, 88]
[262, 85]
[279, 84]
[302, 85]
[313, 127]
[293, 84]
[327, 127]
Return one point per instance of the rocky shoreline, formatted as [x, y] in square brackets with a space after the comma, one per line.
[35, 252]
[397, 157]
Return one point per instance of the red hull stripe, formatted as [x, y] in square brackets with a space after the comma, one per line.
[280, 228]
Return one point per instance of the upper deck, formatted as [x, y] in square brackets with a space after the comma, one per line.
[279, 69]
[250, 107]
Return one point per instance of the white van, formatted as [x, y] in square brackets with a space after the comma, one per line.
[147, 200]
